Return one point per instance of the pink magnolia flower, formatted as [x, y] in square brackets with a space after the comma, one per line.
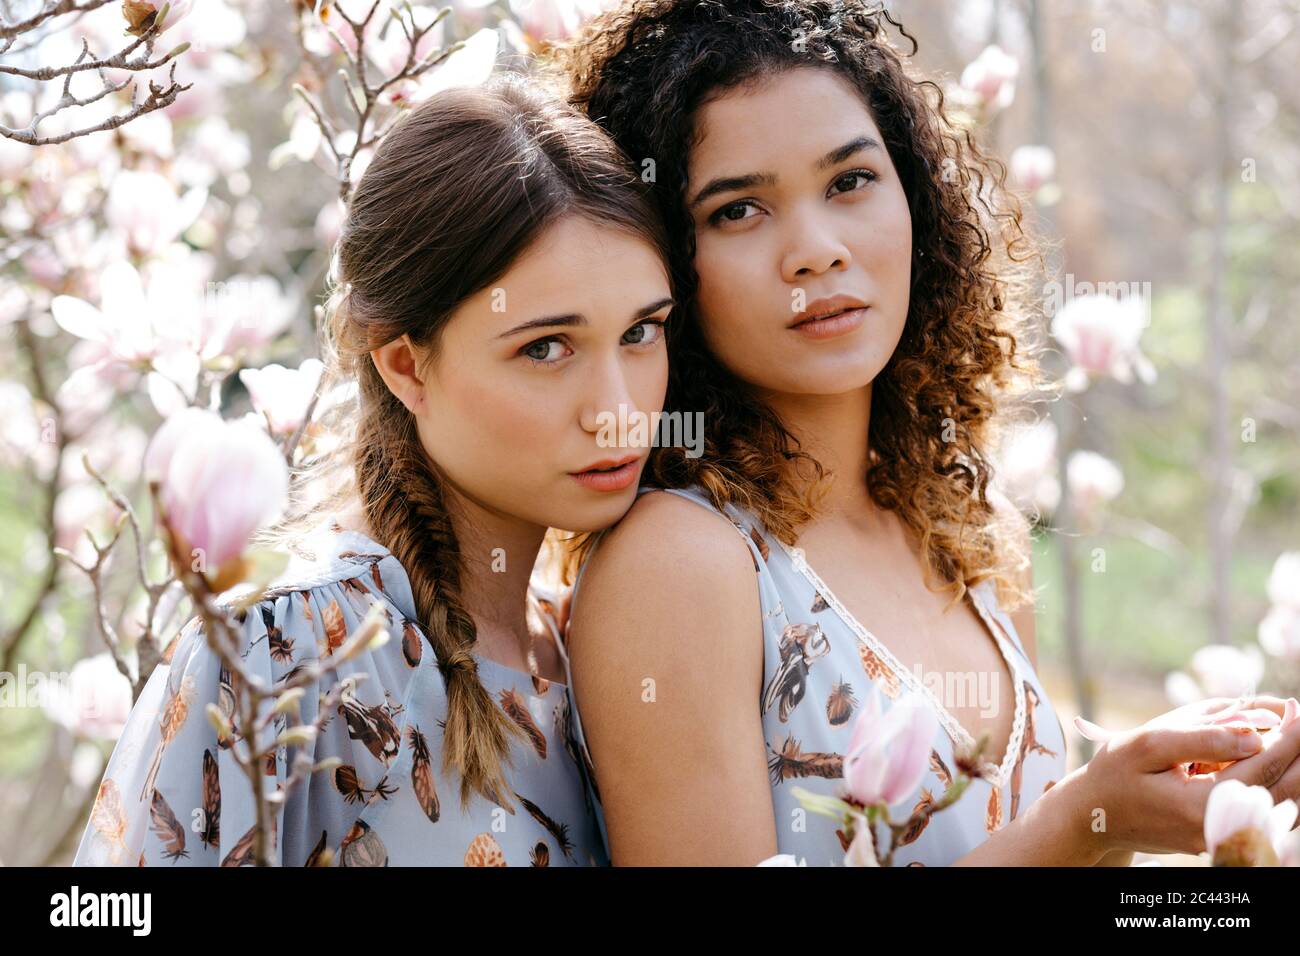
[130, 327]
[1243, 827]
[1217, 670]
[1279, 632]
[1284, 580]
[218, 482]
[471, 65]
[1094, 481]
[1100, 334]
[94, 701]
[888, 754]
[862, 851]
[1032, 167]
[145, 209]
[1026, 467]
[281, 395]
[991, 77]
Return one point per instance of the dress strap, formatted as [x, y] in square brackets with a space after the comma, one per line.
[985, 594]
[738, 518]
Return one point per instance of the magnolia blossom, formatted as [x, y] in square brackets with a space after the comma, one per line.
[552, 20]
[1243, 827]
[250, 312]
[1033, 166]
[1284, 580]
[212, 149]
[218, 482]
[304, 140]
[131, 327]
[991, 77]
[20, 431]
[1279, 632]
[782, 859]
[1026, 467]
[862, 851]
[888, 754]
[329, 222]
[1100, 335]
[281, 395]
[471, 65]
[1217, 670]
[390, 50]
[133, 331]
[145, 208]
[1094, 481]
[94, 701]
[151, 134]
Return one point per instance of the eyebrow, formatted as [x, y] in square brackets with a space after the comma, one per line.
[574, 319]
[726, 184]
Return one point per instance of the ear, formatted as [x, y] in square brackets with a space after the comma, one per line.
[398, 365]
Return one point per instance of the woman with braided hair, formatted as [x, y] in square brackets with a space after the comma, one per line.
[499, 283]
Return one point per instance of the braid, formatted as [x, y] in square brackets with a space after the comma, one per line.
[406, 508]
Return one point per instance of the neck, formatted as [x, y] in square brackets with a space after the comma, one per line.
[493, 583]
[832, 429]
[497, 554]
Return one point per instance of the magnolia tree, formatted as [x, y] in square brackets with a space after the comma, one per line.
[164, 321]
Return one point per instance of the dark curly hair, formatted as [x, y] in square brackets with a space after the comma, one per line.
[643, 70]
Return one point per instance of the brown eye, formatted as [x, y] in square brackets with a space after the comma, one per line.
[850, 179]
[726, 212]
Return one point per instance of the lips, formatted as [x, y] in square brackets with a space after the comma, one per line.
[609, 475]
[827, 307]
[607, 464]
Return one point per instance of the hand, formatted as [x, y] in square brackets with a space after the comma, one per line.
[1141, 782]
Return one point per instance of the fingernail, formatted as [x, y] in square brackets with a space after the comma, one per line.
[1248, 740]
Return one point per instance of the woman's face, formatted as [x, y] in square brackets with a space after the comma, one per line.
[795, 201]
[511, 407]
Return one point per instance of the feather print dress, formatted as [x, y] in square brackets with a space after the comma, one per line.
[818, 665]
[173, 795]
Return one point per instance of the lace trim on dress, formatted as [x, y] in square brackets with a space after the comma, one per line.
[997, 774]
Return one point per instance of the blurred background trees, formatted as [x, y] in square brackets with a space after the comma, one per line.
[171, 187]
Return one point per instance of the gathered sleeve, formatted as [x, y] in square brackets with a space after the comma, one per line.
[173, 793]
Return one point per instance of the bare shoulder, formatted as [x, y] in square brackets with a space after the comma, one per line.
[668, 562]
[666, 651]
[674, 546]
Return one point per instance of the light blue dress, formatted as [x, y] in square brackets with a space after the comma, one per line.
[173, 795]
[818, 665]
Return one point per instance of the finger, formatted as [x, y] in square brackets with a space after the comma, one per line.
[1091, 731]
[1288, 787]
[1261, 718]
[1163, 747]
[1275, 704]
[1221, 707]
[1267, 767]
[1217, 704]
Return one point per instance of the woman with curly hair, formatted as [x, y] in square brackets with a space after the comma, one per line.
[853, 325]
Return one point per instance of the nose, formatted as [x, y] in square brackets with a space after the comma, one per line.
[607, 388]
[813, 246]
